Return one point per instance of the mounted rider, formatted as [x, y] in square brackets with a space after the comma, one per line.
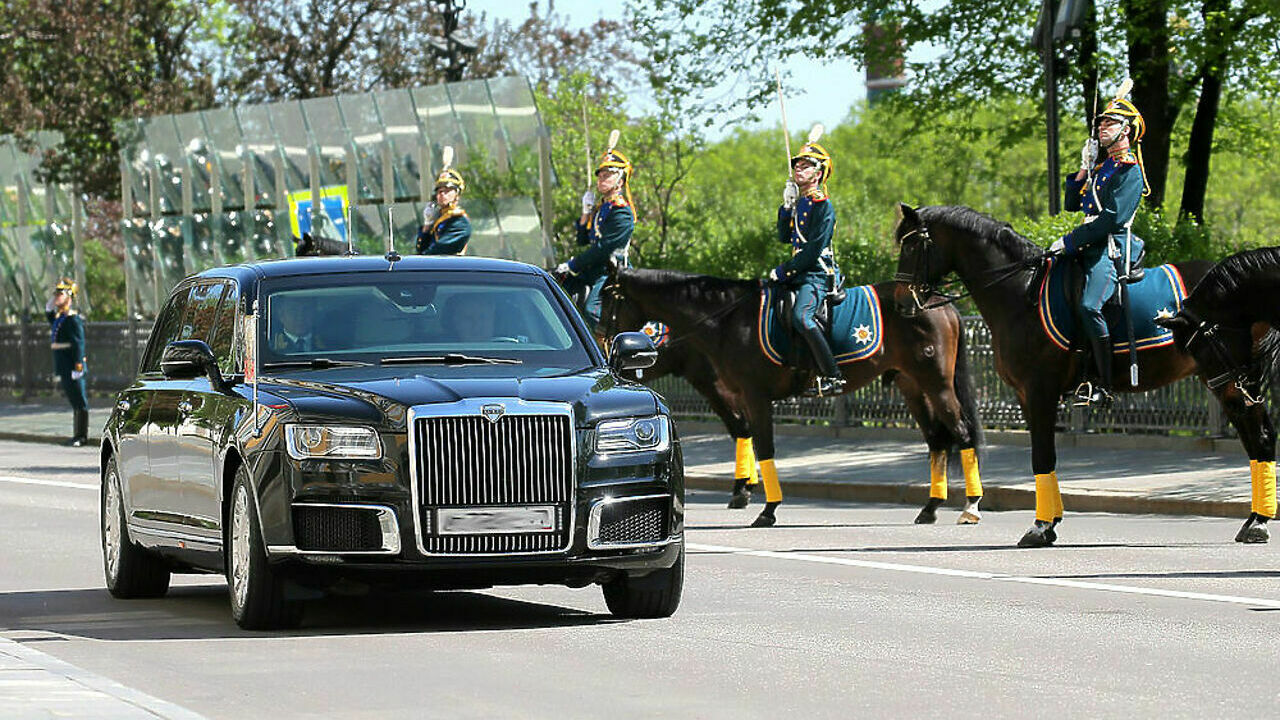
[1107, 191]
[606, 230]
[445, 226]
[806, 220]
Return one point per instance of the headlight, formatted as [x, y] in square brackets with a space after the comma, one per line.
[649, 434]
[307, 442]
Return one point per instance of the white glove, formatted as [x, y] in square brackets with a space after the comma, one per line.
[430, 213]
[1088, 154]
[77, 374]
[774, 276]
[563, 269]
[588, 201]
[790, 194]
[1058, 247]
[48, 306]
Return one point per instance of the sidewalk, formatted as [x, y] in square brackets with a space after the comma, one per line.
[1098, 473]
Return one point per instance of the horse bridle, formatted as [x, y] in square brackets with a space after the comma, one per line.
[918, 280]
[1236, 373]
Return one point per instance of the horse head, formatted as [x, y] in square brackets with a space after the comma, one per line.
[921, 262]
[1224, 354]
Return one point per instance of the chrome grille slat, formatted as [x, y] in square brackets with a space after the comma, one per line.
[471, 461]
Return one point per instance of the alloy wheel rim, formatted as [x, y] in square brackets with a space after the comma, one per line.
[240, 547]
[111, 539]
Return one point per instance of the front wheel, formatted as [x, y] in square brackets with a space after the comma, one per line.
[257, 592]
[656, 595]
[131, 572]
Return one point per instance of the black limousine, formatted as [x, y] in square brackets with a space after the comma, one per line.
[437, 422]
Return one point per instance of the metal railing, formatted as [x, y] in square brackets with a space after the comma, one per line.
[1185, 407]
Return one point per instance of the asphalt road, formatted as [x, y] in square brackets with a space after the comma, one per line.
[841, 611]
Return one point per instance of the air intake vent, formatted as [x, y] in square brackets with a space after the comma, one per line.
[628, 522]
[336, 529]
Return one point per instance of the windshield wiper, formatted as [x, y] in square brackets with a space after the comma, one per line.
[450, 359]
[313, 363]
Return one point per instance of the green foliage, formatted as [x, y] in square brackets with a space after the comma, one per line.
[104, 276]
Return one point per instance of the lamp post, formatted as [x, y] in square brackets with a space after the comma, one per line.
[454, 46]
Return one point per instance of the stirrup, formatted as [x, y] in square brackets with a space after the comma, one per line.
[1090, 394]
[824, 386]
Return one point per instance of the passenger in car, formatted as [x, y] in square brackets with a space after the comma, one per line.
[469, 318]
[292, 326]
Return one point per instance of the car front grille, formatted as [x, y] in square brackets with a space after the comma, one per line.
[632, 522]
[517, 460]
[336, 529]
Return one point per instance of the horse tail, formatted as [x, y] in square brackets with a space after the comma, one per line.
[965, 395]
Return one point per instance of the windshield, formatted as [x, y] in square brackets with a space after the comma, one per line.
[431, 317]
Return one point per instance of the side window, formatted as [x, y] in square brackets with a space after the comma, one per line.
[223, 334]
[202, 311]
[165, 331]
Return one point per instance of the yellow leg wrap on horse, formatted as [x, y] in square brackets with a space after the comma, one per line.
[1255, 484]
[938, 474]
[1047, 498]
[972, 482]
[769, 475]
[1267, 478]
[754, 478]
[743, 459]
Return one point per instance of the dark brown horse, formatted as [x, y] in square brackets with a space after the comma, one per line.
[717, 319]
[996, 265]
[1228, 325]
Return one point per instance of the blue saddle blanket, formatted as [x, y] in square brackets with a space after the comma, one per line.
[1159, 294]
[857, 329]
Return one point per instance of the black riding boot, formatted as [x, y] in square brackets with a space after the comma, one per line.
[81, 422]
[1098, 394]
[832, 381]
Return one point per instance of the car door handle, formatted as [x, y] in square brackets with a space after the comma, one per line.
[184, 406]
[124, 405]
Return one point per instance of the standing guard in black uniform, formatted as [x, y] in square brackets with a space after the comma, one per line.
[67, 341]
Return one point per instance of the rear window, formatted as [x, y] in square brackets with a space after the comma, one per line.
[372, 316]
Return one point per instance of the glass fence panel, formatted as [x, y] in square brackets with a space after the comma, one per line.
[403, 142]
[227, 154]
[262, 150]
[367, 139]
[166, 161]
[197, 160]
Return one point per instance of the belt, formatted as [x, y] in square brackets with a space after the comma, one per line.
[60, 346]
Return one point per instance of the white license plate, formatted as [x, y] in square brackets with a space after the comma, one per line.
[491, 520]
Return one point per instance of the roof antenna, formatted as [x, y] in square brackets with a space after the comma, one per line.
[391, 256]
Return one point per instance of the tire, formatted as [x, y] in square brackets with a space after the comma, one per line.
[257, 592]
[656, 595]
[130, 571]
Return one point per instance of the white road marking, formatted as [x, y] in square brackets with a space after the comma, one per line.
[979, 575]
[51, 483]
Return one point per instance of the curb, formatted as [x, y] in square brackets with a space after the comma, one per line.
[994, 497]
[94, 440]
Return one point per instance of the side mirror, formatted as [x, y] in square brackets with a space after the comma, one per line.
[186, 359]
[632, 351]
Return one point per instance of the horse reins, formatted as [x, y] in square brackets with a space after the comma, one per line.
[1236, 373]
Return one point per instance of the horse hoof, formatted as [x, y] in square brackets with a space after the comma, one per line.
[739, 501]
[1256, 535]
[926, 517]
[1244, 529]
[1038, 536]
[764, 521]
[969, 517]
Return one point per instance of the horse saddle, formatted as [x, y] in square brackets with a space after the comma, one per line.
[1151, 294]
[850, 321]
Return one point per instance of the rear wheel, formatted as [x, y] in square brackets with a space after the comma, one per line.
[655, 595]
[257, 592]
[131, 572]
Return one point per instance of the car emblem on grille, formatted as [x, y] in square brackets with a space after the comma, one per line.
[493, 412]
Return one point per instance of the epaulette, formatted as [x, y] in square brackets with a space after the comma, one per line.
[1128, 159]
[816, 195]
[618, 202]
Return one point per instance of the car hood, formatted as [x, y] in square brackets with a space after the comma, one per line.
[594, 395]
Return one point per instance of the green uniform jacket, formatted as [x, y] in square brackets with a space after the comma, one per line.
[1119, 190]
[448, 235]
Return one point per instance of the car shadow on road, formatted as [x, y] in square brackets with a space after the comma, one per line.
[203, 612]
